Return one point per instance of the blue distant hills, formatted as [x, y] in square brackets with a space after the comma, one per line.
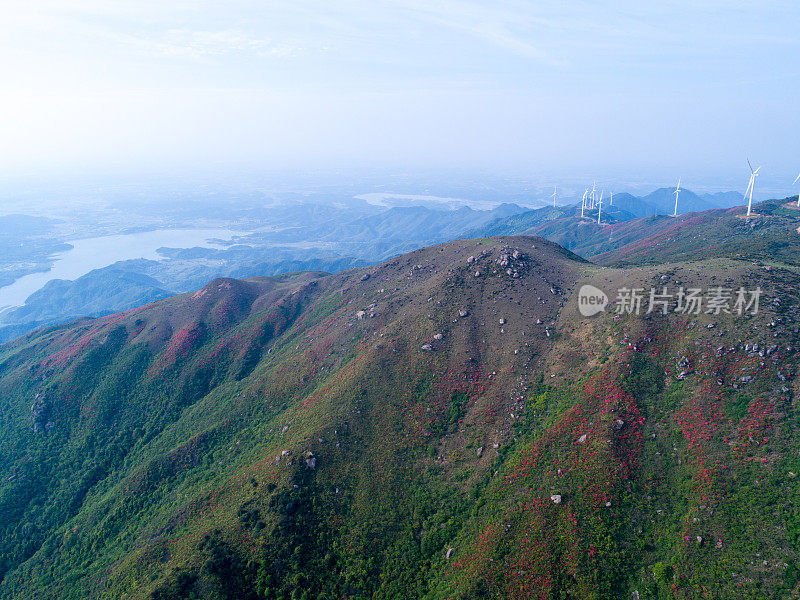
[662, 202]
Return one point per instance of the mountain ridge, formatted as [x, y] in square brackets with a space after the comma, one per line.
[146, 449]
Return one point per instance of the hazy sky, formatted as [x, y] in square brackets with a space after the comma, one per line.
[557, 87]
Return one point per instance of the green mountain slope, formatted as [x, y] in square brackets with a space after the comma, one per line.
[623, 240]
[403, 431]
[769, 235]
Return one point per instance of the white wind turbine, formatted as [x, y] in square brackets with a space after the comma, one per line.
[677, 191]
[796, 179]
[594, 191]
[583, 201]
[750, 186]
[611, 203]
[599, 207]
[555, 195]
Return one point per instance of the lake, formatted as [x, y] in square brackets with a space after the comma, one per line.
[98, 252]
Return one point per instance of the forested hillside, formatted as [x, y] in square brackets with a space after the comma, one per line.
[444, 425]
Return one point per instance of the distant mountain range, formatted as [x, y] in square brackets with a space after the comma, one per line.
[308, 236]
[630, 218]
[305, 237]
[662, 202]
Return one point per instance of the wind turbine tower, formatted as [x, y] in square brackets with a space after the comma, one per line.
[796, 179]
[677, 191]
[599, 208]
[555, 195]
[583, 201]
[594, 192]
[750, 186]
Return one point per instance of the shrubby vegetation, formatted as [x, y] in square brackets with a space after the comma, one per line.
[204, 449]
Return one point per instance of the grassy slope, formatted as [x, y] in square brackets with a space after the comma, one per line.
[653, 240]
[587, 238]
[770, 236]
[158, 470]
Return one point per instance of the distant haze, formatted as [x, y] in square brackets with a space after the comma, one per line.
[617, 89]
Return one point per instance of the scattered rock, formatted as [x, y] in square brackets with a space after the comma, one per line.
[480, 451]
[427, 347]
[449, 552]
[438, 336]
[582, 439]
[39, 414]
[556, 498]
[463, 313]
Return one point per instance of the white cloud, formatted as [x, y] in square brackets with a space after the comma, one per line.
[518, 29]
[200, 44]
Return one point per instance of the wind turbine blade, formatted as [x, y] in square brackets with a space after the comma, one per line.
[756, 171]
[749, 185]
[749, 165]
[796, 179]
